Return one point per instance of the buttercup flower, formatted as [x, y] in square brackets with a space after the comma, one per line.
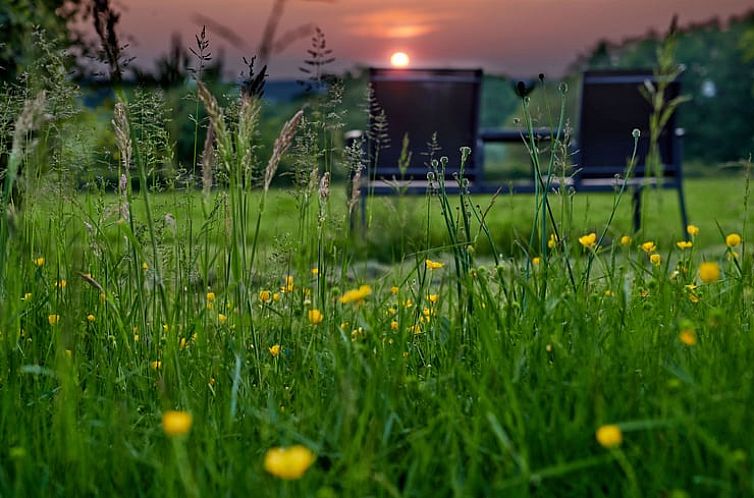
[221, 318]
[288, 287]
[709, 272]
[275, 350]
[552, 242]
[90, 317]
[176, 423]
[315, 316]
[732, 240]
[265, 296]
[394, 290]
[692, 230]
[288, 463]
[536, 260]
[433, 265]
[625, 241]
[609, 436]
[394, 325]
[684, 244]
[588, 241]
[53, 319]
[655, 259]
[39, 262]
[688, 337]
[356, 296]
[210, 297]
[648, 247]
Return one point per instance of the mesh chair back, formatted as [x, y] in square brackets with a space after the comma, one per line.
[419, 103]
[612, 105]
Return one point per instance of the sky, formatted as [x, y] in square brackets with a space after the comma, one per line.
[514, 37]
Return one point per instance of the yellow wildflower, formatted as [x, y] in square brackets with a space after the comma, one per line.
[145, 266]
[589, 240]
[315, 271]
[61, 284]
[394, 290]
[688, 337]
[416, 329]
[156, 365]
[408, 303]
[433, 265]
[394, 325]
[732, 240]
[211, 297]
[553, 241]
[625, 241]
[90, 317]
[27, 296]
[536, 260]
[356, 296]
[53, 319]
[165, 327]
[655, 259]
[275, 350]
[433, 298]
[648, 247]
[288, 463]
[39, 262]
[709, 272]
[684, 244]
[265, 296]
[276, 296]
[288, 287]
[609, 436]
[692, 230]
[315, 316]
[221, 318]
[176, 423]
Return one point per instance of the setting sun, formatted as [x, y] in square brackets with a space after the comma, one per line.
[399, 59]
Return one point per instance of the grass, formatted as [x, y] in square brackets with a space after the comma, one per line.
[170, 343]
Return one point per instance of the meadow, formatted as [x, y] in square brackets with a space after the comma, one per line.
[222, 337]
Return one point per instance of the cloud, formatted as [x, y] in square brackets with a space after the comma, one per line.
[395, 23]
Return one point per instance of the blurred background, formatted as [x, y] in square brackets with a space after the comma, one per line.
[295, 43]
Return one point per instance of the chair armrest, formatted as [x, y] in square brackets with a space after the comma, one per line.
[512, 135]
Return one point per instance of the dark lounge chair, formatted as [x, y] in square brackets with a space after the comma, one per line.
[612, 106]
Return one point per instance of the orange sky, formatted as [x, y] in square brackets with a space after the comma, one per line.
[520, 38]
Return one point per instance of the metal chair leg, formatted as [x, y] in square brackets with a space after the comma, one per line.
[684, 216]
[636, 202]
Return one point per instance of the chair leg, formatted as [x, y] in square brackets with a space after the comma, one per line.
[636, 202]
[684, 216]
[363, 202]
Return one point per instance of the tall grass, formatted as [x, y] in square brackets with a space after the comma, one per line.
[445, 374]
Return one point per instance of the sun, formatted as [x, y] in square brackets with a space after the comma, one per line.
[399, 59]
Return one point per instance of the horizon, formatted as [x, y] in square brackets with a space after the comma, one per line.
[365, 33]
